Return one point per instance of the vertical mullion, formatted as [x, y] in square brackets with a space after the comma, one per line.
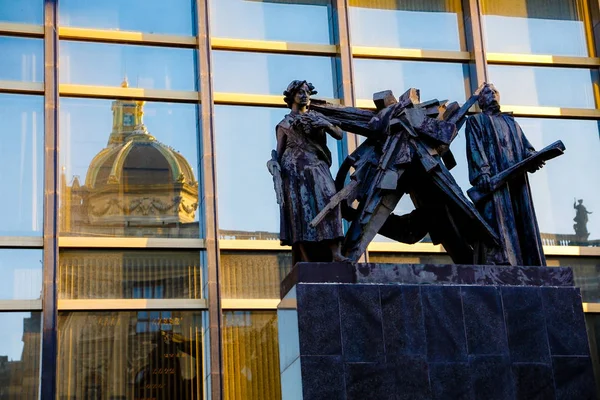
[475, 42]
[50, 313]
[591, 20]
[209, 195]
[345, 71]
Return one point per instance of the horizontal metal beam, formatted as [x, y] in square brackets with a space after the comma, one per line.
[125, 243]
[552, 112]
[572, 251]
[255, 99]
[20, 305]
[400, 248]
[267, 46]
[396, 247]
[126, 37]
[542, 60]
[21, 241]
[113, 92]
[131, 304]
[252, 245]
[21, 87]
[591, 307]
[410, 54]
[249, 304]
[12, 29]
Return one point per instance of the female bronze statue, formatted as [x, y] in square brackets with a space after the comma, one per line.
[307, 184]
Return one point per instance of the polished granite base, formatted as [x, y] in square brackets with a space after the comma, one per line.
[391, 331]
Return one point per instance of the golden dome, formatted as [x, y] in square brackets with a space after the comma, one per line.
[139, 160]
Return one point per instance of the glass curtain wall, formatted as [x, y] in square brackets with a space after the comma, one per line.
[134, 296]
[131, 276]
[250, 73]
[21, 206]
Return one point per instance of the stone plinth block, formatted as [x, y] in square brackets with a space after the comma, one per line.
[391, 331]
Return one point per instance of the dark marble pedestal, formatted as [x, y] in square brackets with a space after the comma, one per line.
[387, 331]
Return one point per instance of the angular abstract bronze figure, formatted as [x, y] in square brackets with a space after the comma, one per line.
[303, 182]
[406, 151]
[495, 144]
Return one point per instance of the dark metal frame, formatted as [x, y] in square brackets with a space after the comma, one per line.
[209, 197]
[49, 299]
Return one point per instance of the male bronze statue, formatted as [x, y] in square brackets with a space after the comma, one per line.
[495, 143]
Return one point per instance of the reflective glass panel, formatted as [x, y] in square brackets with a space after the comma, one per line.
[21, 274]
[22, 59]
[435, 80]
[407, 24]
[543, 86]
[97, 274]
[461, 171]
[592, 322]
[128, 168]
[145, 67]
[305, 21]
[586, 271]
[130, 355]
[247, 204]
[22, 154]
[251, 355]
[535, 27]
[22, 11]
[253, 275]
[152, 16]
[20, 355]
[259, 73]
[558, 187]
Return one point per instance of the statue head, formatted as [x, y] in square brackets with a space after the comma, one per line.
[489, 98]
[580, 201]
[298, 92]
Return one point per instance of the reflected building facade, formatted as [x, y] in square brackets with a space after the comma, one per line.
[139, 222]
[135, 186]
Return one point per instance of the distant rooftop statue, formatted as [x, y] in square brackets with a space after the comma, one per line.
[581, 220]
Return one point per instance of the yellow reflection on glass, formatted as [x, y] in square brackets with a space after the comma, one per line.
[251, 356]
[130, 355]
[101, 274]
[253, 275]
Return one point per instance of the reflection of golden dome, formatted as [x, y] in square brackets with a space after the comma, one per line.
[135, 186]
[139, 160]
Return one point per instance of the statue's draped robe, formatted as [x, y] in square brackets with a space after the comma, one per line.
[494, 143]
[307, 186]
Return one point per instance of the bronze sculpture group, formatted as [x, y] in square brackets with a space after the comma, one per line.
[406, 152]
